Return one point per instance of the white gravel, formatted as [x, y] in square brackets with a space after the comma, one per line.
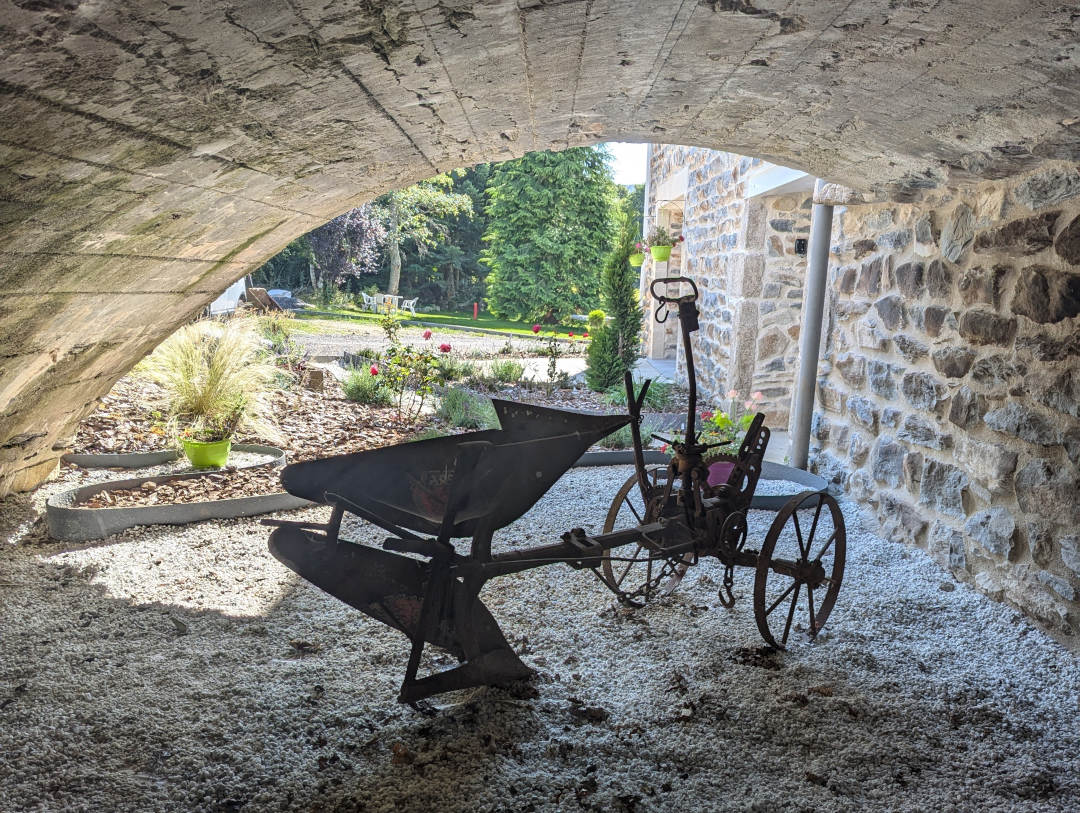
[185, 669]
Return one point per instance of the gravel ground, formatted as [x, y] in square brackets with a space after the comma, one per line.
[185, 669]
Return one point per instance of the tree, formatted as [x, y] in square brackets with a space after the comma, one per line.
[614, 349]
[550, 220]
[413, 214]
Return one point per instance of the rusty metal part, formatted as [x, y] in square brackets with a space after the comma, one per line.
[803, 554]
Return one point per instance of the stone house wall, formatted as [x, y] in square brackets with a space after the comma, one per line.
[949, 394]
[741, 253]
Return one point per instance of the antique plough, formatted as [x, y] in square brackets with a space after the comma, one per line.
[428, 493]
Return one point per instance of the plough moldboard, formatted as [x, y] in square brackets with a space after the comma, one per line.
[428, 493]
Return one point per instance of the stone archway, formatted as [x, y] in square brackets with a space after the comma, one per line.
[154, 154]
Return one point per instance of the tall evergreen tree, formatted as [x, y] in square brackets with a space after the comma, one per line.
[615, 348]
[550, 221]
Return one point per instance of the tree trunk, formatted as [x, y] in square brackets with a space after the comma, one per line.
[314, 280]
[395, 249]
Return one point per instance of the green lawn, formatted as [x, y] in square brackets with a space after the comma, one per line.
[485, 321]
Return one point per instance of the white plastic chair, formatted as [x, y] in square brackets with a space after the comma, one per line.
[410, 305]
[370, 302]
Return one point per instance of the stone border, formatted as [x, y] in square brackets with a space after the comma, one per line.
[70, 523]
[139, 460]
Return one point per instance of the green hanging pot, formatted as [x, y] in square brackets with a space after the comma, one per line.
[660, 253]
[205, 455]
[636, 260]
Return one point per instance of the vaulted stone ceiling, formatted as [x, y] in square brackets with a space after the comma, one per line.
[152, 153]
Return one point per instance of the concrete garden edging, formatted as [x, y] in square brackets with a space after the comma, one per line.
[139, 460]
[68, 521]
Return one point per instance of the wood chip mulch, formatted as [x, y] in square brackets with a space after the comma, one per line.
[225, 484]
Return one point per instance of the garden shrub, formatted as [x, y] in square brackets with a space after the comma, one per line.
[623, 438]
[658, 399]
[465, 409]
[507, 372]
[364, 388]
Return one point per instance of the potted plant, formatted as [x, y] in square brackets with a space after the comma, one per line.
[660, 243]
[214, 380]
[638, 257]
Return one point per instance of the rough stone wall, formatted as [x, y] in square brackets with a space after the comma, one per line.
[950, 392]
[741, 254]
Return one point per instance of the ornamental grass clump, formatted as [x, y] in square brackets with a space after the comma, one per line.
[364, 386]
[215, 380]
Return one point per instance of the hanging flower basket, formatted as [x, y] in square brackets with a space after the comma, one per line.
[637, 259]
[205, 455]
[660, 253]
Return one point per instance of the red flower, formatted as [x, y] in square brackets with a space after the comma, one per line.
[536, 328]
[680, 238]
[571, 334]
[707, 415]
[445, 348]
[427, 334]
[374, 370]
[585, 335]
[663, 448]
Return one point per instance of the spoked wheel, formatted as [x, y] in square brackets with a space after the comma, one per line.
[639, 572]
[800, 568]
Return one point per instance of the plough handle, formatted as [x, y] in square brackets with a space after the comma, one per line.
[633, 405]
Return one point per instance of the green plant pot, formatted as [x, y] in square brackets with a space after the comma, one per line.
[636, 260]
[206, 455]
[660, 253]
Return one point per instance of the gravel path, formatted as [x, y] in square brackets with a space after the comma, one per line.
[185, 669]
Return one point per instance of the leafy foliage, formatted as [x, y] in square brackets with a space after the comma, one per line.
[623, 438]
[364, 388]
[507, 371]
[550, 221]
[410, 375]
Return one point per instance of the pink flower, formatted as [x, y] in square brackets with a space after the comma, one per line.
[663, 448]
[733, 394]
[374, 370]
[638, 246]
[757, 396]
[707, 415]
[444, 347]
[427, 334]
[536, 328]
[748, 404]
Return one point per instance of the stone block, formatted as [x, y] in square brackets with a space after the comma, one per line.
[862, 487]
[1040, 541]
[933, 319]
[1048, 188]
[862, 411]
[953, 362]
[981, 285]
[958, 234]
[852, 369]
[781, 224]
[863, 247]
[913, 466]
[879, 374]
[1057, 584]
[832, 469]
[989, 464]
[1025, 423]
[986, 327]
[858, 448]
[1070, 552]
[946, 545]
[829, 396]
[847, 277]
[896, 240]
[900, 521]
[1048, 490]
[924, 229]
[887, 461]
[993, 530]
[922, 390]
[1046, 295]
[967, 406]
[1059, 390]
[869, 336]
[819, 427]
[891, 310]
[943, 487]
[1046, 348]
[870, 278]
[1071, 441]
[1029, 235]
[922, 433]
[911, 349]
[938, 280]
[909, 279]
[890, 417]
[1067, 244]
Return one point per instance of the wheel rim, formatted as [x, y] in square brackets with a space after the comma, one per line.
[632, 572]
[800, 568]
